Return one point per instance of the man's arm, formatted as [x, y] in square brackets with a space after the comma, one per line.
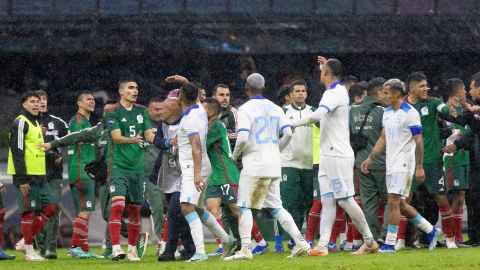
[241, 143]
[88, 135]
[17, 146]
[149, 135]
[194, 140]
[159, 141]
[119, 139]
[315, 117]
[419, 172]
[285, 139]
[377, 149]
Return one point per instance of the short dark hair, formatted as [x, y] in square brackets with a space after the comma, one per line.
[375, 85]
[349, 79]
[357, 90]
[199, 85]
[282, 92]
[220, 85]
[110, 101]
[335, 67]
[125, 80]
[83, 93]
[41, 93]
[476, 79]
[452, 86]
[415, 77]
[189, 91]
[155, 100]
[213, 103]
[298, 82]
[28, 94]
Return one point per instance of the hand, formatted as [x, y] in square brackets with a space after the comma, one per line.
[176, 79]
[450, 148]
[137, 139]
[475, 108]
[420, 174]
[58, 161]
[199, 184]
[25, 189]
[173, 142]
[321, 61]
[366, 164]
[45, 146]
[44, 129]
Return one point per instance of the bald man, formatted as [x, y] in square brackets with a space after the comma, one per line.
[169, 179]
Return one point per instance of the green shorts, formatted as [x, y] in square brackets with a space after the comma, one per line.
[225, 192]
[83, 194]
[129, 185]
[435, 183]
[38, 196]
[458, 177]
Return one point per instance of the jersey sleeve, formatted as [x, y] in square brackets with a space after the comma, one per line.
[112, 121]
[147, 123]
[189, 125]
[440, 107]
[244, 123]
[329, 101]
[413, 121]
[214, 134]
[283, 122]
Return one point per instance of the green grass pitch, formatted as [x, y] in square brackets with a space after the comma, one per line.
[409, 259]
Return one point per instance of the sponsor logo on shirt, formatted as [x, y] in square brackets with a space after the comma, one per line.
[124, 120]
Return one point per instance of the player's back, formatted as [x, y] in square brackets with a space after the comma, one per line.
[264, 120]
[194, 121]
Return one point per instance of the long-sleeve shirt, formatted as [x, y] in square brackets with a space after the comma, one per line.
[55, 128]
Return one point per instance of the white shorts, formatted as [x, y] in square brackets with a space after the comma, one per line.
[399, 183]
[335, 175]
[188, 191]
[258, 193]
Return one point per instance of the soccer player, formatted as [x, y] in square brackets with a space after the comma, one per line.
[81, 185]
[335, 175]
[223, 183]
[373, 190]
[296, 186]
[260, 123]
[402, 136]
[27, 165]
[129, 124]
[54, 128]
[3, 255]
[196, 169]
[429, 108]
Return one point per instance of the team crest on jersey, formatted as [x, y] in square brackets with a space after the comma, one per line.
[33, 203]
[110, 122]
[284, 177]
[140, 119]
[424, 111]
[112, 188]
[51, 125]
[89, 204]
[456, 183]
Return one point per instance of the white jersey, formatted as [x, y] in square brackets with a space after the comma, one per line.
[400, 127]
[194, 121]
[264, 121]
[334, 127]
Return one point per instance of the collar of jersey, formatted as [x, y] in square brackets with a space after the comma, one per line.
[298, 108]
[334, 85]
[190, 108]
[257, 97]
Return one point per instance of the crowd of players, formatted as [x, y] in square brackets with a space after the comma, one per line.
[356, 167]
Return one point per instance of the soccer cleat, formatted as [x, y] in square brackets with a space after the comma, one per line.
[332, 246]
[300, 250]
[259, 249]
[20, 246]
[342, 245]
[432, 238]
[166, 257]
[387, 249]
[161, 248]
[318, 252]
[93, 255]
[107, 254]
[311, 243]
[77, 252]
[242, 254]
[34, 257]
[364, 249]
[198, 257]
[355, 248]
[400, 244]
[278, 243]
[348, 246]
[217, 252]
[133, 256]
[5, 256]
[229, 247]
[450, 243]
[51, 255]
[291, 244]
[142, 243]
[462, 245]
[118, 254]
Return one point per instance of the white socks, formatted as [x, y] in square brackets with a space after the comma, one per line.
[329, 211]
[288, 224]
[245, 224]
[29, 249]
[392, 232]
[212, 224]
[421, 223]
[356, 214]
[197, 231]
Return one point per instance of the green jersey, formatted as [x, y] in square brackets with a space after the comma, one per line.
[461, 157]
[224, 170]
[80, 154]
[428, 110]
[128, 158]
